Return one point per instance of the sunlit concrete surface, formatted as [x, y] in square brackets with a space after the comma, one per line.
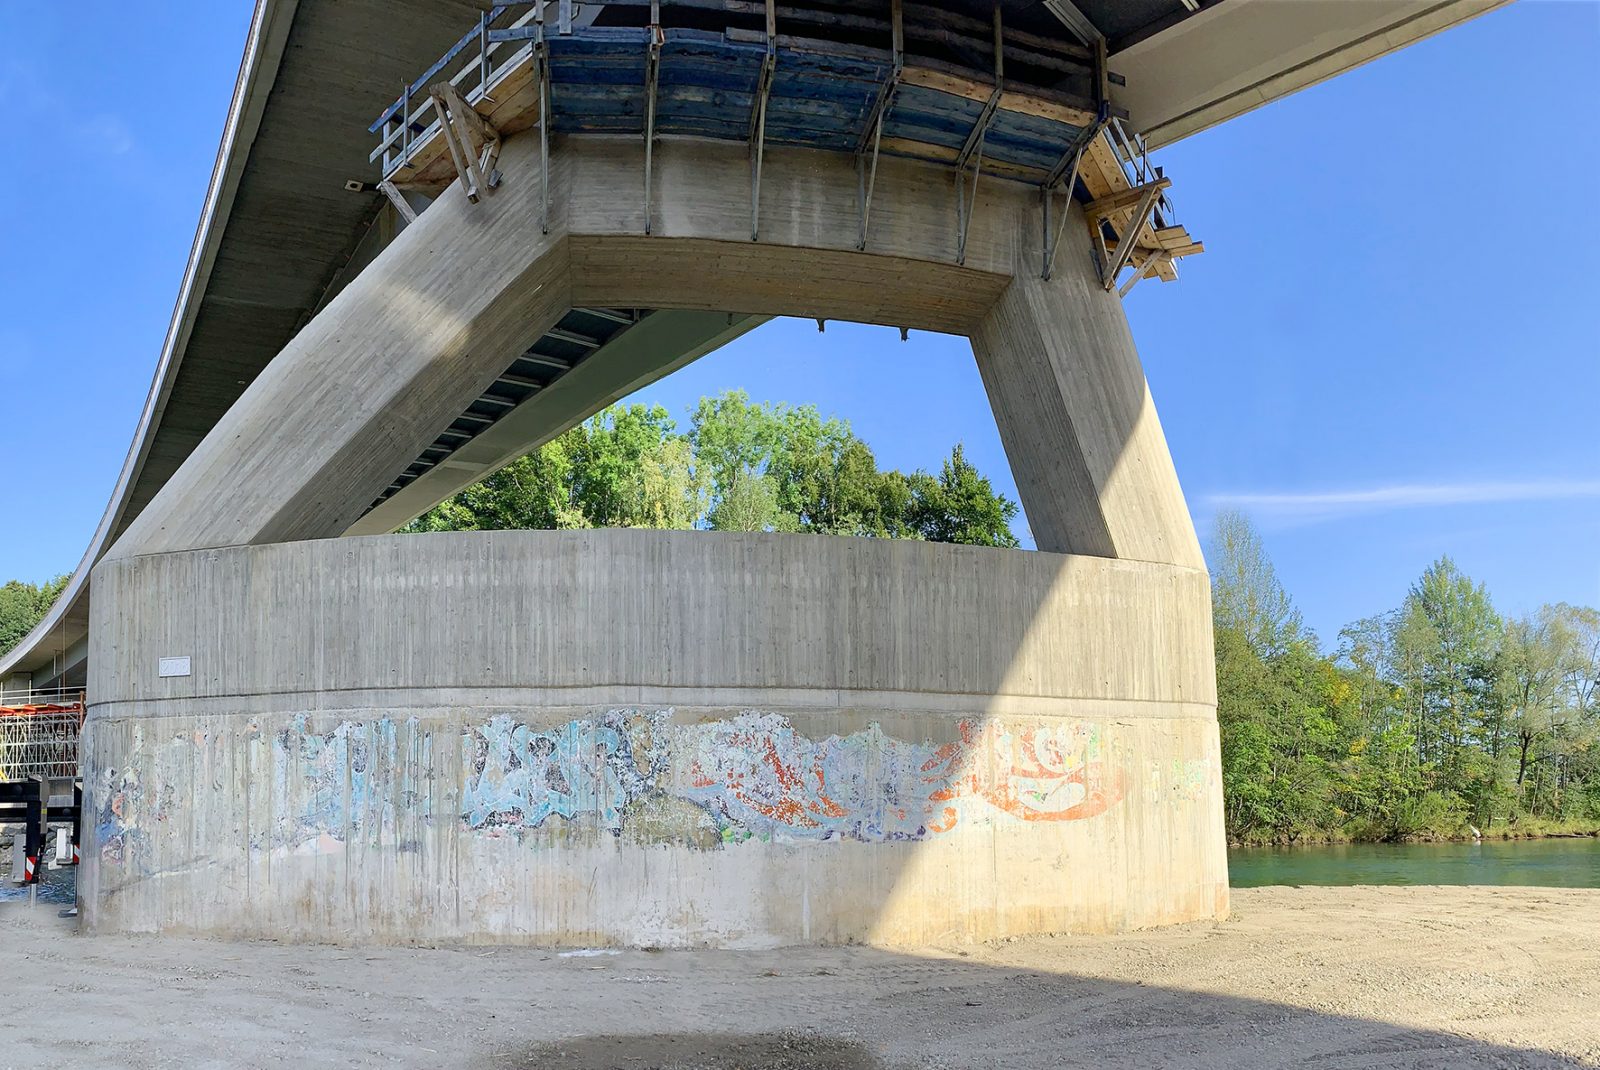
[651, 739]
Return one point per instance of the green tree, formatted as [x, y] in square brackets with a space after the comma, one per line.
[23, 605]
[961, 506]
[1245, 592]
[741, 466]
[1450, 635]
[630, 470]
[749, 502]
[533, 491]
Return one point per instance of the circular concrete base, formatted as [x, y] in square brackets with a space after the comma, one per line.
[649, 738]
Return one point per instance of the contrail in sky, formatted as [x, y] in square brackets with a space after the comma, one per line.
[1307, 506]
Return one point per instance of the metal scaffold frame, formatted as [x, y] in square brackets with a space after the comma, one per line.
[40, 739]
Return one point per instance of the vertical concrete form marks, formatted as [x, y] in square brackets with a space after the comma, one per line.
[649, 737]
[1077, 420]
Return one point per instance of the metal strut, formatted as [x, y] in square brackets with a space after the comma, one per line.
[758, 119]
[1064, 176]
[973, 149]
[652, 79]
[867, 173]
[541, 55]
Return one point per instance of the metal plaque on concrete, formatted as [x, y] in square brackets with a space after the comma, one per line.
[173, 666]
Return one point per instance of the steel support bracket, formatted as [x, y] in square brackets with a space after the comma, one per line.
[758, 119]
[652, 81]
[1063, 178]
[541, 58]
[872, 134]
[967, 202]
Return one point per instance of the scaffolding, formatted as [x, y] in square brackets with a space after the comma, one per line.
[40, 738]
[869, 78]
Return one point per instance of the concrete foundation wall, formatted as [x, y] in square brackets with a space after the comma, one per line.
[649, 738]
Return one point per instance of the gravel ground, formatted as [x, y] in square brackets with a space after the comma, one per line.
[1318, 977]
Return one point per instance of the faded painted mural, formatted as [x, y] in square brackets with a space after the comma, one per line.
[372, 780]
[756, 776]
[640, 774]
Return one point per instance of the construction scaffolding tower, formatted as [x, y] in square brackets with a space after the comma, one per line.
[40, 738]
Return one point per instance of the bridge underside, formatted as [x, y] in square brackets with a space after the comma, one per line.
[282, 231]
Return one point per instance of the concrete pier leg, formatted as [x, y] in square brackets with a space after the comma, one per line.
[1077, 420]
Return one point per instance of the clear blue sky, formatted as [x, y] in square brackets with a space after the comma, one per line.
[1391, 350]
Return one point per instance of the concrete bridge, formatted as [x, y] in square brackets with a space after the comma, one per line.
[646, 737]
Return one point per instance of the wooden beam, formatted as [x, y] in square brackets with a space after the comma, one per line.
[1010, 100]
[1130, 236]
[1118, 202]
[398, 199]
[1149, 267]
[458, 153]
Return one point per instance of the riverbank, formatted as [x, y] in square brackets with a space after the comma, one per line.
[1370, 977]
[1529, 829]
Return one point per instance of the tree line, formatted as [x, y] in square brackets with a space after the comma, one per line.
[1436, 718]
[22, 605]
[739, 466]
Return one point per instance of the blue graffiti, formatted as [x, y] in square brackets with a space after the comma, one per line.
[518, 777]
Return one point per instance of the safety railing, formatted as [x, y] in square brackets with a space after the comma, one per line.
[503, 36]
[1134, 157]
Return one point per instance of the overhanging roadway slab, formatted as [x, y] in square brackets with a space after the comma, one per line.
[1237, 55]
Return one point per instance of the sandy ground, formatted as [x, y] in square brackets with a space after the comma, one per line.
[1318, 977]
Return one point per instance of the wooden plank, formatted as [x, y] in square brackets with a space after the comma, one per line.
[396, 198]
[1010, 100]
[1101, 173]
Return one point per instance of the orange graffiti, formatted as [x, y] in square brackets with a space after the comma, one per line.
[1035, 774]
[782, 796]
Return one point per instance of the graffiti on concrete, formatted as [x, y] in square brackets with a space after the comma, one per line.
[755, 776]
[360, 779]
[644, 775]
[517, 777]
[304, 791]
[133, 801]
[1054, 772]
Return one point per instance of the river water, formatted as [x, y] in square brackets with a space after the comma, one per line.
[1553, 863]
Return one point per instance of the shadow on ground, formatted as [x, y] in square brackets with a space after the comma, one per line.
[1313, 978]
[690, 1051]
[975, 1017]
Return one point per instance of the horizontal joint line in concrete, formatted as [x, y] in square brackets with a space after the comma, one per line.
[642, 695]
